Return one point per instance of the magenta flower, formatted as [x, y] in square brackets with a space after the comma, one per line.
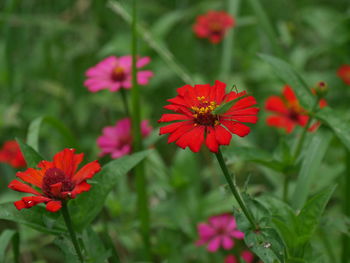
[114, 73]
[246, 255]
[117, 140]
[219, 231]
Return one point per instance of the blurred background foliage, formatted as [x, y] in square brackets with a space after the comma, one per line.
[46, 46]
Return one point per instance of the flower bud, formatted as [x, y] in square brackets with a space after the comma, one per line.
[320, 89]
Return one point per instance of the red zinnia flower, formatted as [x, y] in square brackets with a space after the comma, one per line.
[196, 124]
[344, 73]
[11, 154]
[58, 180]
[288, 111]
[213, 25]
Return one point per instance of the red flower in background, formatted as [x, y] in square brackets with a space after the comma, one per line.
[288, 112]
[195, 124]
[213, 25]
[220, 231]
[344, 73]
[246, 255]
[55, 181]
[11, 154]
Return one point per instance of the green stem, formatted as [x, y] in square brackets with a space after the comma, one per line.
[68, 221]
[125, 101]
[226, 62]
[346, 208]
[235, 191]
[141, 182]
[306, 128]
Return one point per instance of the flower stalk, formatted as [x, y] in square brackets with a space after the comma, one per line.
[125, 102]
[68, 222]
[299, 147]
[235, 191]
[140, 178]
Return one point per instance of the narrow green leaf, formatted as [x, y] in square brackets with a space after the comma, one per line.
[159, 47]
[88, 205]
[254, 155]
[30, 155]
[224, 107]
[5, 239]
[34, 130]
[266, 25]
[36, 217]
[310, 214]
[337, 124]
[289, 76]
[311, 163]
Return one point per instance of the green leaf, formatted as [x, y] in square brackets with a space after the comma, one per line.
[35, 217]
[336, 123]
[313, 157]
[310, 214]
[264, 242]
[88, 205]
[254, 155]
[5, 238]
[223, 108]
[34, 130]
[30, 155]
[266, 25]
[289, 76]
[94, 247]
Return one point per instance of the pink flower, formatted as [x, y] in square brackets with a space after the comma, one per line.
[219, 231]
[246, 255]
[114, 73]
[117, 140]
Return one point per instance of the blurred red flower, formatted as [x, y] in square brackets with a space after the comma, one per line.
[114, 73]
[56, 181]
[213, 25]
[246, 255]
[221, 230]
[344, 73]
[11, 154]
[196, 124]
[288, 112]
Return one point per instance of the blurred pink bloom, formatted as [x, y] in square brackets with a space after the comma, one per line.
[246, 255]
[117, 140]
[219, 231]
[114, 73]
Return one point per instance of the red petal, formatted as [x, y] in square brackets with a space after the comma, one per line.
[182, 90]
[193, 139]
[220, 89]
[68, 161]
[20, 204]
[82, 187]
[32, 176]
[202, 90]
[170, 128]
[223, 137]
[173, 117]
[276, 104]
[86, 172]
[22, 187]
[281, 122]
[289, 94]
[250, 119]
[243, 103]
[185, 127]
[211, 141]
[236, 128]
[53, 206]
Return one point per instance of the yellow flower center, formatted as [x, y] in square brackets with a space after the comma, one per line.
[203, 112]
